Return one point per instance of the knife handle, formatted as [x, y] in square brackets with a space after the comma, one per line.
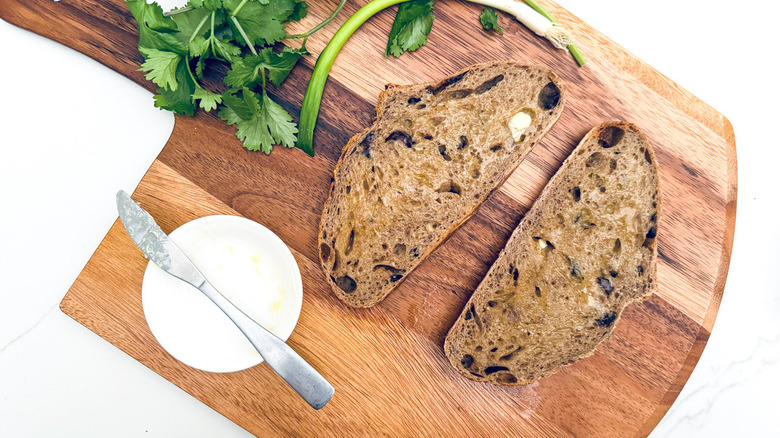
[301, 376]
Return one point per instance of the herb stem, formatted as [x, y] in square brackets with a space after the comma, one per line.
[189, 70]
[243, 34]
[178, 11]
[322, 24]
[575, 52]
[238, 8]
[200, 26]
[310, 107]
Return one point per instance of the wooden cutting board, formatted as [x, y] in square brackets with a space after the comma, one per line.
[386, 363]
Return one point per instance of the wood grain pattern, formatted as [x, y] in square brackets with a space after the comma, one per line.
[387, 364]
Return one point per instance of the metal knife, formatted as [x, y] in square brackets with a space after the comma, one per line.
[156, 245]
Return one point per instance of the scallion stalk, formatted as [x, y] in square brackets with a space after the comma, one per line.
[575, 52]
[310, 107]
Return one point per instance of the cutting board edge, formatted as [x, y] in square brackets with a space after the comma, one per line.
[726, 244]
[65, 305]
[703, 334]
[705, 329]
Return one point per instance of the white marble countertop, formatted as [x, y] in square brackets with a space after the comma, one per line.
[68, 147]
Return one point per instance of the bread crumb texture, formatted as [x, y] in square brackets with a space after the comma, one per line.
[585, 250]
[434, 154]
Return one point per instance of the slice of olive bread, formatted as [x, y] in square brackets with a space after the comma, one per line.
[584, 251]
[433, 155]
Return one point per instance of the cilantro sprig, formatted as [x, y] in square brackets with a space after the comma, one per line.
[179, 46]
[243, 33]
[489, 20]
[413, 22]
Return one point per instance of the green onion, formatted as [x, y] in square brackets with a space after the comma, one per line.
[575, 52]
[310, 107]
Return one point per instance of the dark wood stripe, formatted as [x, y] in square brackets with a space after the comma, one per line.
[343, 113]
[662, 255]
[632, 378]
[679, 381]
[661, 309]
[690, 170]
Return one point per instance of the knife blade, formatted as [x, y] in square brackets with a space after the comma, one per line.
[162, 251]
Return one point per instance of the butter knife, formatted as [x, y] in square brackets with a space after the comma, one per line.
[158, 248]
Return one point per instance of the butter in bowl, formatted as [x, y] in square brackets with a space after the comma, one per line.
[221, 294]
[250, 266]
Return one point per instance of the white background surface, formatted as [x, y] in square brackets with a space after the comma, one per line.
[73, 132]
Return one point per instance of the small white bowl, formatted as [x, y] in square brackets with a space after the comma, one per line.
[249, 265]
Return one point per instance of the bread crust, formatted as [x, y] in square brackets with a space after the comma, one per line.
[391, 89]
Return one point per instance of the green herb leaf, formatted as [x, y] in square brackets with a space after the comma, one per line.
[176, 49]
[279, 65]
[243, 72]
[239, 110]
[246, 71]
[489, 20]
[299, 11]
[191, 22]
[411, 27]
[280, 122]
[269, 123]
[198, 46]
[255, 132]
[208, 100]
[155, 30]
[227, 114]
[160, 67]
[225, 50]
[151, 15]
[180, 99]
[212, 5]
[200, 66]
[263, 24]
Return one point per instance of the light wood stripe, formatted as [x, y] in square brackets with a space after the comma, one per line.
[627, 385]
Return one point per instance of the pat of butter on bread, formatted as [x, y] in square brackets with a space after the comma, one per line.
[518, 124]
[434, 154]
